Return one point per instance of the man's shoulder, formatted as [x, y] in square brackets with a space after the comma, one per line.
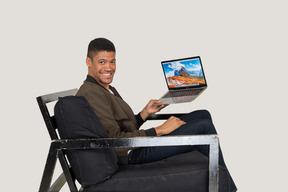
[88, 88]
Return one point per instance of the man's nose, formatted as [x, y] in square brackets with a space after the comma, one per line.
[108, 67]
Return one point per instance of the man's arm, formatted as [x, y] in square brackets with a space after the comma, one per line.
[167, 127]
[139, 120]
[102, 106]
[151, 109]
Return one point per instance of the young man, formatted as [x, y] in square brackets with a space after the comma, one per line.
[118, 118]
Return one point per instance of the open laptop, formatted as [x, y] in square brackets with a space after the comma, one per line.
[185, 80]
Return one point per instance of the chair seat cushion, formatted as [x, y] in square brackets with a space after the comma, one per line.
[184, 172]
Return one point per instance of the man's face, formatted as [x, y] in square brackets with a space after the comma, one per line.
[102, 67]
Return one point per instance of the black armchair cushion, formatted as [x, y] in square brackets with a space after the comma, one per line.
[184, 173]
[76, 120]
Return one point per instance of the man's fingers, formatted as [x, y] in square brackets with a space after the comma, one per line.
[178, 120]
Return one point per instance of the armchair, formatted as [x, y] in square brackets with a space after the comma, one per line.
[192, 163]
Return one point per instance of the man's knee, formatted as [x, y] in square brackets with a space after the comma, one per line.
[207, 126]
[203, 113]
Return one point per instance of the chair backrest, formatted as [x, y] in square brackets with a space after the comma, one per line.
[75, 119]
[50, 120]
[52, 127]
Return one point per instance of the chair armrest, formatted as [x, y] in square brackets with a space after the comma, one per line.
[134, 142]
[211, 140]
[164, 116]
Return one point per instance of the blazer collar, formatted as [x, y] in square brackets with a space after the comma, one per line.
[92, 80]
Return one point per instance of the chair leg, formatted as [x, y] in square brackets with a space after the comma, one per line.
[65, 167]
[58, 184]
[48, 171]
[214, 165]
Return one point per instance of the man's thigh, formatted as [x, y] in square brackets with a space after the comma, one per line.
[151, 154]
[197, 122]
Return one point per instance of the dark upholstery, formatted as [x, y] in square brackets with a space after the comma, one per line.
[76, 119]
[97, 170]
[181, 173]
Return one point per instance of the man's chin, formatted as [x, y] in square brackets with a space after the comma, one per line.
[107, 81]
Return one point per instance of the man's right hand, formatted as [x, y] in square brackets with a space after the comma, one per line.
[151, 109]
[170, 125]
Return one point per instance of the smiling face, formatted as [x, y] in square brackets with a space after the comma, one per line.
[102, 67]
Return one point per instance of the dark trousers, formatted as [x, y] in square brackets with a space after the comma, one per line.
[197, 123]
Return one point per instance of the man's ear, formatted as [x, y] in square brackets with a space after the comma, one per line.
[88, 62]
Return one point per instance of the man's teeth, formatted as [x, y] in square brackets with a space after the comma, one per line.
[106, 74]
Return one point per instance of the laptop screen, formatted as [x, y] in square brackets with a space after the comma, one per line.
[184, 73]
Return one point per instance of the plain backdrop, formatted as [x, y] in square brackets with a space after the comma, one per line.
[243, 46]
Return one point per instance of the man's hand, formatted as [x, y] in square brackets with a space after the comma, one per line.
[151, 109]
[170, 125]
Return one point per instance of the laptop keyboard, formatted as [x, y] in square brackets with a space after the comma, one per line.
[182, 93]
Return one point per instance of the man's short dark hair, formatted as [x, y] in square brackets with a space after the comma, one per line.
[99, 44]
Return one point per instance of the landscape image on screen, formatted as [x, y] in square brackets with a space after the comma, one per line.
[184, 73]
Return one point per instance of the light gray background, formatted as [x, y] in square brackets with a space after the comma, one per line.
[243, 45]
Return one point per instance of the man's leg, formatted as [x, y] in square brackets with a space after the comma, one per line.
[197, 123]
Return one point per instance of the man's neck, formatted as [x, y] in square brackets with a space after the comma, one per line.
[93, 80]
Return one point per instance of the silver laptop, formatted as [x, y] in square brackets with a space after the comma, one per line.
[185, 80]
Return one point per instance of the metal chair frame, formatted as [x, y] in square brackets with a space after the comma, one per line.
[59, 146]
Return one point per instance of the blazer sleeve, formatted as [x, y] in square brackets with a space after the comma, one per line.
[102, 106]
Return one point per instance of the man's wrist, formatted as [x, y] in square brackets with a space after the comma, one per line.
[151, 132]
[158, 131]
[144, 114]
